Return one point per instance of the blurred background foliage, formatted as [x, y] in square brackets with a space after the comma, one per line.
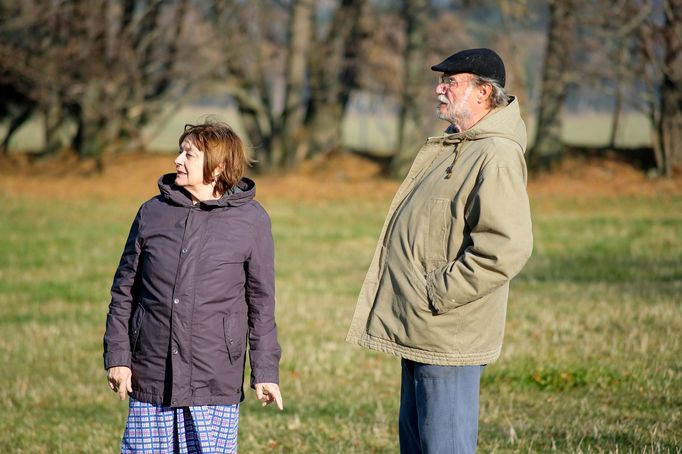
[300, 78]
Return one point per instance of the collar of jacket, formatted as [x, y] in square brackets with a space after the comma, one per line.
[243, 192]
[500, 122]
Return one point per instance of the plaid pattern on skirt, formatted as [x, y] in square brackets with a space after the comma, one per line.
[201, 429]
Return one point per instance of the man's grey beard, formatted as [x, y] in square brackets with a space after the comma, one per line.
[455, 113]
[441, 115]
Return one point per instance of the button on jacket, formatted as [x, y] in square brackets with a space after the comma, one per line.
[194, 286]
[457, 231]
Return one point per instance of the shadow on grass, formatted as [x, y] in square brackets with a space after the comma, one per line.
[602, 268]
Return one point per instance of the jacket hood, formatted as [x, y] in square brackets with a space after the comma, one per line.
[243, 192]
[505, 122]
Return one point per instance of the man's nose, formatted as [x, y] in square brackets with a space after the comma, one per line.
[440, 89]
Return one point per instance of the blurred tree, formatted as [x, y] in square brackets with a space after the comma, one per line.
[512, 38]
[411, 118]
[316, 81]
[548, 147]
[659, 50]
[335, 72]
[15, 109]
[106, 68]
[612, 59]
[98, 71]
[136, 62]
[669, 128]
[291, 136]
[604, 44]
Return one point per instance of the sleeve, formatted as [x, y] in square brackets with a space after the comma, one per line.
[264, 350]
[123, 290]
[501, 241]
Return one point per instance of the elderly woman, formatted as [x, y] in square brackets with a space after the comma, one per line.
[195, 281]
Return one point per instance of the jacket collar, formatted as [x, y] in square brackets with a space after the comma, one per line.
[501, 122]
[243, 192]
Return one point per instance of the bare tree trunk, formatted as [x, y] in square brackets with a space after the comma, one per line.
[290, 131]
[17, 109]
[53, 118]
[411, 118]
[335, 74]
[671, 89]
[91, 134]
[246, 79]
[548, 147]
[618, 96]
[516, 68]
[15, 123]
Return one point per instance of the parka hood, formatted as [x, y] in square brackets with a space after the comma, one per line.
[242, 193]
[505, 122]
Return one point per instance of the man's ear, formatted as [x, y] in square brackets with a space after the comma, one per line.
[483, 93]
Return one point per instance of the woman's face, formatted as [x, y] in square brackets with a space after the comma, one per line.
[189, 166]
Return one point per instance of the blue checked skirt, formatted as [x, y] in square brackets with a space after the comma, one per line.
[202, 429]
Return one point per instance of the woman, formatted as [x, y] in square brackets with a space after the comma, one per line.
[196, 279]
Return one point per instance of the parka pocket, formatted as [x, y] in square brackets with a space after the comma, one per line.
[235, 337]
[136, 327]
[439, 211]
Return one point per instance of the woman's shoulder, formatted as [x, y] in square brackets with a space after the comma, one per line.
[255, 211]
[155, 202]
[153, 207]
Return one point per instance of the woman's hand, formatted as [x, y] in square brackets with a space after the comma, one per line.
[120, 380]
[269, 393]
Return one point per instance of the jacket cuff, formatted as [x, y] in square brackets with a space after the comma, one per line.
[265, 376]
[432, 294]
[120, 358]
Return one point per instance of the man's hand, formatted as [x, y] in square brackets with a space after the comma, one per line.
[120, 380]
[269, 393]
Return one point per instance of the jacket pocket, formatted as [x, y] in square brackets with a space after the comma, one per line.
[439, 211]
[235, 337]
[136, 327]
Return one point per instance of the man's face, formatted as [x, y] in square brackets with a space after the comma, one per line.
[454, 96]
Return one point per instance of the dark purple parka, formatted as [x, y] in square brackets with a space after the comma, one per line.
[194, 283]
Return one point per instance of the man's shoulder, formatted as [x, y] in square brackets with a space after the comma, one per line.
[500, 151]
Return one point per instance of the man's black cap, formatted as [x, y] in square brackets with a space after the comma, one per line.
[482, 62]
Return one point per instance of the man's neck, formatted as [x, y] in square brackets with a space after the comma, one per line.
[469, 122]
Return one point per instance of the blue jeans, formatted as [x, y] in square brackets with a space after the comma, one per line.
[438, 408]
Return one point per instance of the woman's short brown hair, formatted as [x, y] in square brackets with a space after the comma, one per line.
[223, 149]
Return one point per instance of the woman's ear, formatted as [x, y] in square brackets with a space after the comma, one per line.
[217, 171]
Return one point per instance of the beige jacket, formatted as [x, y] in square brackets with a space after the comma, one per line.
[457, 231]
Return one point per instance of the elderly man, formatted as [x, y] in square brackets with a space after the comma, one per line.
[456, 232]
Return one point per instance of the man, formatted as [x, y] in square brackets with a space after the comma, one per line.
[456, 232]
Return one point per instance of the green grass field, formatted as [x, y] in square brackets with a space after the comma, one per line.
[592, 359]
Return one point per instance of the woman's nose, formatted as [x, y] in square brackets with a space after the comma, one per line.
[178, 160]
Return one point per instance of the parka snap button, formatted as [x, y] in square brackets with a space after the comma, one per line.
[184, 250]
[176, 301]
[175, 351]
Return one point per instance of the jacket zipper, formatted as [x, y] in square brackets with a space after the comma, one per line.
[448, 170]
[391, 225]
